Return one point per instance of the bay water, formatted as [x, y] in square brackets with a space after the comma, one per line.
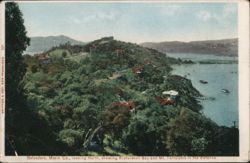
[219, 106]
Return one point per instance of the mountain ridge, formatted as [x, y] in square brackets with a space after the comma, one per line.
[223, 47]
[44, 43]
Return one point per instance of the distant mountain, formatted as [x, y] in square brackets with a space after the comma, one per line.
[225, 47]
[40, 44]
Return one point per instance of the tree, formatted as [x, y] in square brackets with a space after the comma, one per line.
[16, 42]
[34, 68]
[192, 134]
[64, 54]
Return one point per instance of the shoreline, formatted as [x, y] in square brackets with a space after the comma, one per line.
[207, 100]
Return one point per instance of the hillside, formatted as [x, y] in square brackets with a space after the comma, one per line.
[41, 44]
[225, 47]
[106, 98]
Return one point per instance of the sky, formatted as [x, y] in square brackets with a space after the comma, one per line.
[132, 22]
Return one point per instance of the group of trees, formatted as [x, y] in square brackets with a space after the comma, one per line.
[22, 125]
[65, 107]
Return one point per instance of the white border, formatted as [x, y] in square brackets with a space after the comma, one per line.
[243, 33]
[2, 79]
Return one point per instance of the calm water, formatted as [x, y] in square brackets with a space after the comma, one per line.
[224, 109]
[197, 57]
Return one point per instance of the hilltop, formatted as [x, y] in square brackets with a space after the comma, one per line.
[224, 47]
[41, 44]
[116, 53]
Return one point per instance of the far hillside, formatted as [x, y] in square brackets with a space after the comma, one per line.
[41, 44]
[225, 47]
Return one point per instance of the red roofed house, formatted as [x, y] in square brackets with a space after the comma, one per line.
[128, 104]
[165, 101]
[137, 69]
[43, 58]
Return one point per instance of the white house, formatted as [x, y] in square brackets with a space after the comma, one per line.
[170, 93]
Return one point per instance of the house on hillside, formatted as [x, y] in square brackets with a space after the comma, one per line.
[165, 101]
[172, 94]
[128, 104]
[42, 58]
[119, 52]
[137, 70]
[147, 62]
[168, 98]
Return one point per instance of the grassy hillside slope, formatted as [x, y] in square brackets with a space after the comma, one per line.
[97, 104]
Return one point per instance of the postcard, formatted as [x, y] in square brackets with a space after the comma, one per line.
[124, 81]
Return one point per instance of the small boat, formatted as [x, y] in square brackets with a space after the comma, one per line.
[225, 91]
[203, 82]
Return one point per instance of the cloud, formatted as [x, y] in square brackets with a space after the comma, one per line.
[171, 9]
[99, 16]
[107, 15]
[205, 15]
[227, 12]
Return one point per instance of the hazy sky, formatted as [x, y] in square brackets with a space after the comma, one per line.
[134, 22]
